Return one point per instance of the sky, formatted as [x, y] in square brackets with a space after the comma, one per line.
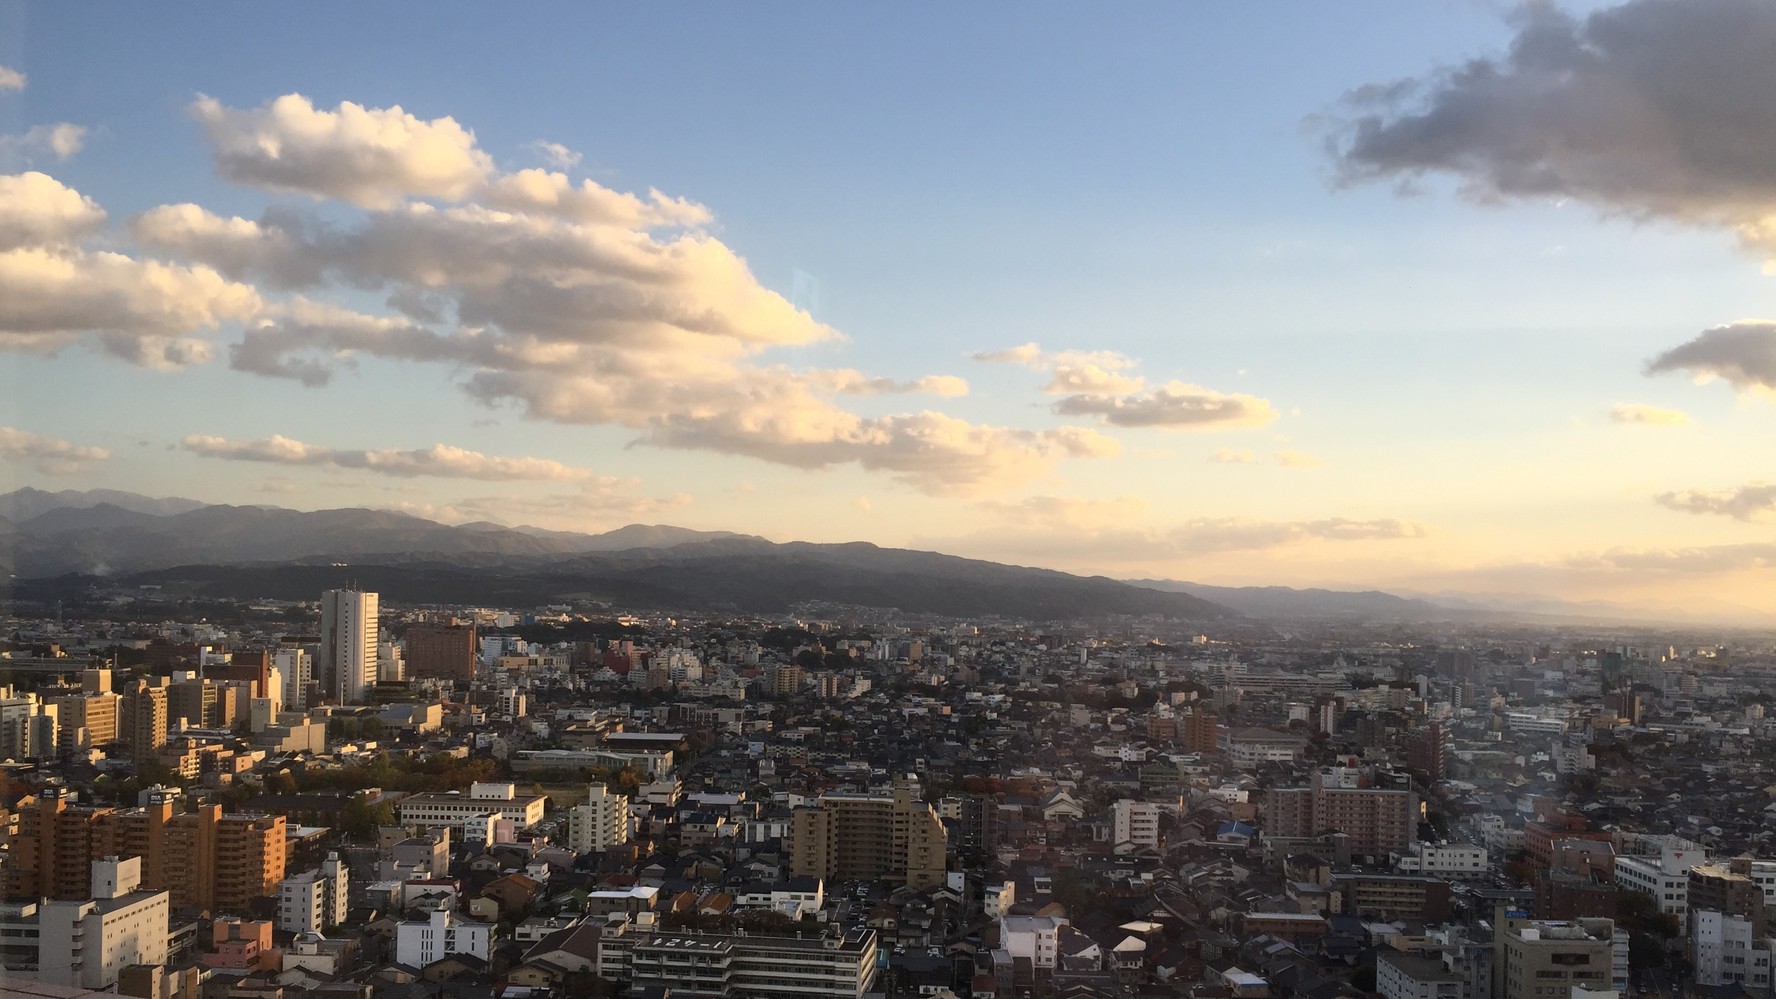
[1452, 297]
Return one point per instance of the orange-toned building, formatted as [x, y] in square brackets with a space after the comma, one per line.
[204, 859]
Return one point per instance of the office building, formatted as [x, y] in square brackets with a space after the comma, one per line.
[1665, 877]
[1719, 888]
[441, 652]
[349, 641]
[894, 837]
[1542, 959]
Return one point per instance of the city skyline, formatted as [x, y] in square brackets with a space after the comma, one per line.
[1465, 303]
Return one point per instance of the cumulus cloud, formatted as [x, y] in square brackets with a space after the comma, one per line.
[55, 292]
[1756, 501]
[1232, 456]
[1654, 109]
[1742, 354]
[49, 455]
[11, 79]
[371, 157]
[439, 460]
[1298, 459]
[39, 142]
[572, 302]
[1104, 384]
[1634, 412]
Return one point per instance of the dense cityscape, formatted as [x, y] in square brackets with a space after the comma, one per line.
[811, 500]
[348, 797]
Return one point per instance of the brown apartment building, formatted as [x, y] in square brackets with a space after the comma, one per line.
[441, 651]
[204, 859]
[1377, 819]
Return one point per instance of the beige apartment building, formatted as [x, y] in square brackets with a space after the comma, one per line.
[890, 837]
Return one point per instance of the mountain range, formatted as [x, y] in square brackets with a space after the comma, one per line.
[61, 543]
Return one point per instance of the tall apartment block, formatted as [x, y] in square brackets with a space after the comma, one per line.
[441, 651]
[349, 639]
[1378, 820]
[142, 719]
[204, 859]
[893, 837]
[599, 823]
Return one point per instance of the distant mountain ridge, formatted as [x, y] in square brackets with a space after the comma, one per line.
[1289, 602]
[255, 551]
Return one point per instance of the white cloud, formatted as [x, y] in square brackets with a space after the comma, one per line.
[556, 155]
[58, 141]
[1298, 459]
[36, 210]
[371, 157]
[1103, 384]
[1634, 412]
[54, 292]
[439, 460]
[49, 455]
[575, 303]
[11, 79]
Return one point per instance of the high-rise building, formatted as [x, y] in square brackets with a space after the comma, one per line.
[349, 640]
[894, 837]
[441, 651]
[142, 720]
[297, 669]
[599, 823]
[205, 859]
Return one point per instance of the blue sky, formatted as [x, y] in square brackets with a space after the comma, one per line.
[1147, 183]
